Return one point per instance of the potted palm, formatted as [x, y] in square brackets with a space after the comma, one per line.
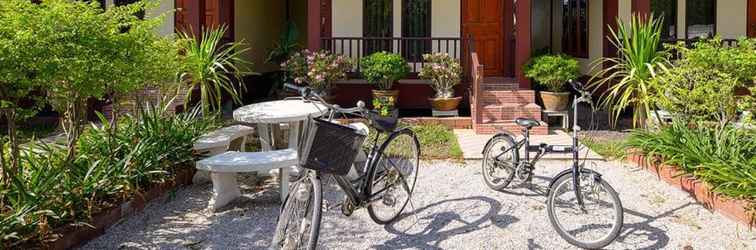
[319, 70]
[444, 72]
[382, 69]
[553, 72]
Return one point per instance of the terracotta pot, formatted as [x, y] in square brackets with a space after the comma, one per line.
[386, 93]
[445, 104]
[555, 101]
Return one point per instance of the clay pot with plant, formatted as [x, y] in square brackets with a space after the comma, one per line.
[382, 69]
[318, 70]
[552, 72]
[444, 72]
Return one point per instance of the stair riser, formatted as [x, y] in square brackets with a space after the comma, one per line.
[491, 115]
[498, 97]
[488, 129]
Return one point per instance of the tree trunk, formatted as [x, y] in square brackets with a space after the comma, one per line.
[72, 128]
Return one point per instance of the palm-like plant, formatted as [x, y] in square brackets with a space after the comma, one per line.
[213, 67]
[627, 78]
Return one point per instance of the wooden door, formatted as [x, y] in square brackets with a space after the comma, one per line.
[751, 18]
[484, 21]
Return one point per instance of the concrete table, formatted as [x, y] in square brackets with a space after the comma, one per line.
[268, 114]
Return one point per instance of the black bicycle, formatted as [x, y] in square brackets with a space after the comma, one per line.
[583, 208]
[383, 185]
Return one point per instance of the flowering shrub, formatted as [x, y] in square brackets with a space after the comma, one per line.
[384, 105]
[317, 69]
[444, 72]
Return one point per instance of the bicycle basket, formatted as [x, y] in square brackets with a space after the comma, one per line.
[330, 148]
[384, 123]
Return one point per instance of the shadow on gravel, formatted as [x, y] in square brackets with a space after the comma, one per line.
[533, 190]
[428, 226]
[655, 237]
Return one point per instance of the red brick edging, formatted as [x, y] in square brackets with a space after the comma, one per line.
[449, 122]
[735, 209]
[70, 236]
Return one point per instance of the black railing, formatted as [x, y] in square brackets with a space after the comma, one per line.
[411, 48]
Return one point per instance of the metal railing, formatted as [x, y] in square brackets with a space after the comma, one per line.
[411, 48]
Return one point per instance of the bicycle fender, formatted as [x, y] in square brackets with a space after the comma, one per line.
[506, 135]
[568, 172]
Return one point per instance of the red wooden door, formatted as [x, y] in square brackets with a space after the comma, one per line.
[484, 21]
[751, 18]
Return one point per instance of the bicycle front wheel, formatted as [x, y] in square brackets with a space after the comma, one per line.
[593, 225]
[392, 177]
[299, 222]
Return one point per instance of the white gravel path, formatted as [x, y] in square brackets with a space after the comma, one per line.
[453, 209]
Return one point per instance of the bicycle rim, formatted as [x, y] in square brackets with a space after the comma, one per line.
[498, 166]
[597, 223]
[393, 176]
[298, 224]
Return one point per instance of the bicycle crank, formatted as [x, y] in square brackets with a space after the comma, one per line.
[524, 173]
[347, 207]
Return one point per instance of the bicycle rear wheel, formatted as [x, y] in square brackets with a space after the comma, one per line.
[500, 159]
[299, 222]
[594, 225]
[392, 177]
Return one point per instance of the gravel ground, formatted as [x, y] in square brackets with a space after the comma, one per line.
[453, 209]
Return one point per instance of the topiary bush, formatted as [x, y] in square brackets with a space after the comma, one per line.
[382, 69]
[553, 71]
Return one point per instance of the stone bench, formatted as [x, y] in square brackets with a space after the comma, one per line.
[223, 169]
[218, 142]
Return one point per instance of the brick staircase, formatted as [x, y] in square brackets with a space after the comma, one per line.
[498, 102]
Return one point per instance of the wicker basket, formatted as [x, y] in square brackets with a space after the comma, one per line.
[330, 148]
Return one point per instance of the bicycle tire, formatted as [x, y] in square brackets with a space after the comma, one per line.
[491, 145]
[406, 136]
[557, 225]
[291, 213]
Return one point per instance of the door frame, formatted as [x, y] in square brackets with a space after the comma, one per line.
[751, 19]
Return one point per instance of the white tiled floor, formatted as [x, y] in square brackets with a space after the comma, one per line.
[472, 144]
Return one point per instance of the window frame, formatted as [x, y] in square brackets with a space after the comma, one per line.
[675, 21]
[370, 47]
[687, 23]
[576, 31]
[408, 44]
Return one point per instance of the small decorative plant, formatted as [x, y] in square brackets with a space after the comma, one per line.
[384, 105]
[553, 71]
[444, 72]
[317, 69]
[383, 69]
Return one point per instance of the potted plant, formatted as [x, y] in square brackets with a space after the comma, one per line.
[319, 70]
[382, 69]
[553, 72]
[444, 72]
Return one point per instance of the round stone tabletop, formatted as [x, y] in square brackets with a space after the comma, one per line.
[279, 111]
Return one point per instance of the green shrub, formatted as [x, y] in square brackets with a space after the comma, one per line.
[724, 158]
[382, 69]
[553, 71]
[108, 169]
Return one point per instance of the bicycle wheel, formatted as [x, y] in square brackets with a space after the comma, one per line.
[499, 164]
[594, 225]
[299, 222]
[392, 177]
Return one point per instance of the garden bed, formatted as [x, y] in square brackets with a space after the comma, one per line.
[741, 211]
[75, 234]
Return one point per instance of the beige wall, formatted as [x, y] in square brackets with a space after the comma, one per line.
[166, 7]
[259, 23]
[731, 18]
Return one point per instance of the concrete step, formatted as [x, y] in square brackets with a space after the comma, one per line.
[509, 126]
[494, 97]
[509, 111]
[500, 83]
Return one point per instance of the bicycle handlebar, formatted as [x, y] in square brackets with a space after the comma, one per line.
[307, 92]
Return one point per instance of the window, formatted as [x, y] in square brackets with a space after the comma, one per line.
[666, 9]
[140, 14]
[575, 27]
[700, 18]
[416, 22]
[378, 22]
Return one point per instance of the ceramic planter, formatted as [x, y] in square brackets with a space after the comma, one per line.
[555, 101]
[445, 104]
[386, 93]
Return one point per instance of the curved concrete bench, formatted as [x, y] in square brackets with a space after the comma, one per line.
[217, 142]
[223, 169]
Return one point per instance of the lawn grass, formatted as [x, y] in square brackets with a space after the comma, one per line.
[611, 149]
[437, 142]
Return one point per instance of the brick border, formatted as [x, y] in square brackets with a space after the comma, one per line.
[734, 209]
[70, 235]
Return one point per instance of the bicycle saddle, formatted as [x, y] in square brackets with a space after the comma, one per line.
[527, 123]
